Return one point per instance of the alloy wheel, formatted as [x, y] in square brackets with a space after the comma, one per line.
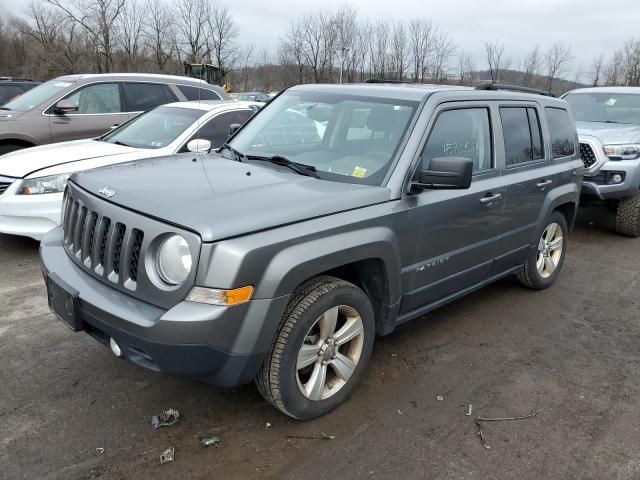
[549, 250]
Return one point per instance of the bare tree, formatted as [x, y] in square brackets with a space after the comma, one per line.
[631, 52]
[97, 18]
[399, 50]
[223, 33]
[420, 41]
[466, 69]
[191, 19]
[597, 70]
[346, 29]
[556, 60]
[160, 34]
[615, 69]
[531, 67]
[443, 49]
[129, 33]
[495, 59]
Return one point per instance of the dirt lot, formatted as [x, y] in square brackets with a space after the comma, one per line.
[572, 351]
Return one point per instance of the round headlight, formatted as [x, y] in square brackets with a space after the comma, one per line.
[174, 260]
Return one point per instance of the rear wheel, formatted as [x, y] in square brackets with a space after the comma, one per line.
[10, 147]
[321, 350]
[628, 216]
[545, 262]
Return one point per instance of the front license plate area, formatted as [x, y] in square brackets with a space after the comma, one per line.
[63, 301]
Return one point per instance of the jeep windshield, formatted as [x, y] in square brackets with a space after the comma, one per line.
[154, 129]
[36, 96]
[346, 138]
[605, 107]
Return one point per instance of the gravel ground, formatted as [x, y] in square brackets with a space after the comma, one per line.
[70, 410]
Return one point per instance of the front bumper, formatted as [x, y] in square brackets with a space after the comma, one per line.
[220, 345]
[593, 183]
[29, 215]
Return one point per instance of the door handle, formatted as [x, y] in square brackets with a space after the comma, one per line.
[544, 184]
[490, 198]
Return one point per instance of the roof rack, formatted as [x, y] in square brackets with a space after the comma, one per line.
[383, 80]
[13, 79]
[513, 88]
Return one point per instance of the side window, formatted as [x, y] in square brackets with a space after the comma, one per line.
[465, 132]
[562, 134]
[97, 98]
[195, 93]
[216, 130]
[522, 140]
[141, 97]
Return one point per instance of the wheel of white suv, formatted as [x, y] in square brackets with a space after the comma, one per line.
[321, 351]
[545, 262]
[628, 216]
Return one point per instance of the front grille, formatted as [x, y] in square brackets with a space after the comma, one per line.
[4, 186]
[106, 247]
[588, 156]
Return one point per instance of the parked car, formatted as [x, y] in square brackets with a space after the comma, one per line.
[282, 263]
[75, 107]
[254, 97]
[11, 88]
[608, 122]
[32, 180]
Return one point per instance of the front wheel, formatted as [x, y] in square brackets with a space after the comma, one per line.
[321, 351]
[544, 263]
[628, 216]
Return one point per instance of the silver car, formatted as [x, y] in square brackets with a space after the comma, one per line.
[76, 107]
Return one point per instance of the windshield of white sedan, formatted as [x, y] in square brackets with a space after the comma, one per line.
[344, 137]
[605, 107]
[36, 96]
[155, 129]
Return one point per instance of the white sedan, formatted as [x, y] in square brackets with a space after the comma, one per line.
[32, 181]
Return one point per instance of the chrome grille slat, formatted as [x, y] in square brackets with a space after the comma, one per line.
[110, 254]
[87, 238]
[77, 229]
[68, 228]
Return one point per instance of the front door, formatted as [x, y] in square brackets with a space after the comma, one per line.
[456, 231]
[100, 106]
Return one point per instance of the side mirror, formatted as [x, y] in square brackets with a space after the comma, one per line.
[446, 173]
[65, 106]
[234, 127]
[199, 145]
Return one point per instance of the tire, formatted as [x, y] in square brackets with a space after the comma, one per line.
[545, 261]
[10, 147]
[628, 216]
[301, 342]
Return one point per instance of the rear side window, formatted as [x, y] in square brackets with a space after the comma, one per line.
[216, 130]
[562, 133]
[141, 97]
[522, 136]
[461, 133]
[8, 92]
[195, 93]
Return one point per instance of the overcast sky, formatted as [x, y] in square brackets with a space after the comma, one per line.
[591, 27]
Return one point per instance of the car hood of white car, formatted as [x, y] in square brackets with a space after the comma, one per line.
[68, 157]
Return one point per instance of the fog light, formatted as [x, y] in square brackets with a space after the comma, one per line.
[616, 178]
[115, 348]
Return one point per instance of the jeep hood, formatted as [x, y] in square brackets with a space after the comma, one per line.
[220, 198]
[610, 133]
[29, 160]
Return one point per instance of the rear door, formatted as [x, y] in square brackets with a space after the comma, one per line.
[456, 231]
[142, 96]
[100, 105]
[527, 180]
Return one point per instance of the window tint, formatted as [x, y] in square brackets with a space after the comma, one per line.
[7, 92]
[522, 135]
[97, 98]
[145, 96]
[562, 134]
[461, 133]
[216, 130]
[194, 93]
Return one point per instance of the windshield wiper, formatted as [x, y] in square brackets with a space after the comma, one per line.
[118, 142]
[299, 168]
[238, 156]
[5, 108]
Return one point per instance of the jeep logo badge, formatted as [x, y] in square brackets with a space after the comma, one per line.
[107, 192]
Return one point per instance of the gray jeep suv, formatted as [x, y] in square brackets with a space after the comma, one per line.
[76, 107]
[282, 255]
[608, 123]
